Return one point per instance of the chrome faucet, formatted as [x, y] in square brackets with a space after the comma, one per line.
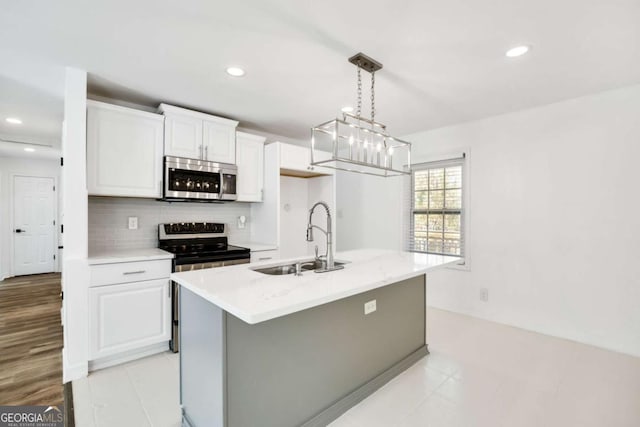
[330, 262]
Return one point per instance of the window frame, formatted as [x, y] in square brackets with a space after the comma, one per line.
[434, 162]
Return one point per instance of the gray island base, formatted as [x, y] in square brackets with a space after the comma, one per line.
[303, 369]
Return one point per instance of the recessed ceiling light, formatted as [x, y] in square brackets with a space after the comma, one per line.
[517, 51]
[29, 149]
[14, 120]
[235, 71]
[347, 109]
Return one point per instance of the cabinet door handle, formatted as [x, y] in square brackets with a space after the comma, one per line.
[206, 152]
[264, 258]
[201, 153]
[134, 272]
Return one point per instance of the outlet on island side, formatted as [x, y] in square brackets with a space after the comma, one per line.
[484, 294]
[370, 307]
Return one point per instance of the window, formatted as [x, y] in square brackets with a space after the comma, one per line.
[437, 212]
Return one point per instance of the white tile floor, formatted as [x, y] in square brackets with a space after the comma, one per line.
[478, 374]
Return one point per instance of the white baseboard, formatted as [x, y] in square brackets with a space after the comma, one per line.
[71, 372]
[128, 356]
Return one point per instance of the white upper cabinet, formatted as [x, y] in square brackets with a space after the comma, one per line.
[197, 135]
[295, 160]
[250, 161]
[124, 151]
[219, 141]
[183, 136]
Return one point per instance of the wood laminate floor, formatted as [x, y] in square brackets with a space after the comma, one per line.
[31, 341]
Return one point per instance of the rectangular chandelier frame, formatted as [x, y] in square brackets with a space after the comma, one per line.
[357, 144]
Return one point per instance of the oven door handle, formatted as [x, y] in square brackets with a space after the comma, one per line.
[221, 185]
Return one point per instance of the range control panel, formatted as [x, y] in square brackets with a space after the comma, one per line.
[193, 228]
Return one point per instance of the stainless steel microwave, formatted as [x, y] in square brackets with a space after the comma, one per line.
[192, 179]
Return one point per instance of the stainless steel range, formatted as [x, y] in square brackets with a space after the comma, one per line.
[196, 245]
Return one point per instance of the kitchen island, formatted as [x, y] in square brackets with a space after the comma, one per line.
[288, 350]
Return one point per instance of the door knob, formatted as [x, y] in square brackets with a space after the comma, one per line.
[20, 231]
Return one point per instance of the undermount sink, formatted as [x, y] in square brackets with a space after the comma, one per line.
[289, 268]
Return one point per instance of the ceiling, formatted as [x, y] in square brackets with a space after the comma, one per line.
[444, 61]
[31, 90]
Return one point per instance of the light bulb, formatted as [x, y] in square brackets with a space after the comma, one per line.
[235, 71]
[517, 51]
[390, 150]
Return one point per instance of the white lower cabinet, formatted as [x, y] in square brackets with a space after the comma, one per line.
[129, 316]
[129, 310]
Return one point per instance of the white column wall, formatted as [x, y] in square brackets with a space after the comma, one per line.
[75, 273]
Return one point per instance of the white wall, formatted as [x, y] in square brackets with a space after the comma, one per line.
[554, 224]
[297, 196]
[9, 167]
[368, 211]
[294, 213]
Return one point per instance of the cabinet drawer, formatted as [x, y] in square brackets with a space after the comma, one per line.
[124, 272]
[265, 255]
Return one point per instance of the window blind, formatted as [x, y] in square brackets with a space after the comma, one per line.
[436, 220]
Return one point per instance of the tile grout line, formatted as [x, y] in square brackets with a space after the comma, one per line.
[144, 408]
[431, 393]
[92, 407]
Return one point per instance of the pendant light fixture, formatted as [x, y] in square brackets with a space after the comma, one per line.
[359, 144]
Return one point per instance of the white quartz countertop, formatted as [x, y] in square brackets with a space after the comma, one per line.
[127, 255]
[255, 297]
[255, 246]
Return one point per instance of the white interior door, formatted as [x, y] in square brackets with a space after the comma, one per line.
[33, 223]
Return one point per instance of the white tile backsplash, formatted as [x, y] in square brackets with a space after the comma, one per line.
[108, 220]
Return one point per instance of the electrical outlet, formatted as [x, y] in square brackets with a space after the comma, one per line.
[484, 294]
[133, 223]
[370, 307]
